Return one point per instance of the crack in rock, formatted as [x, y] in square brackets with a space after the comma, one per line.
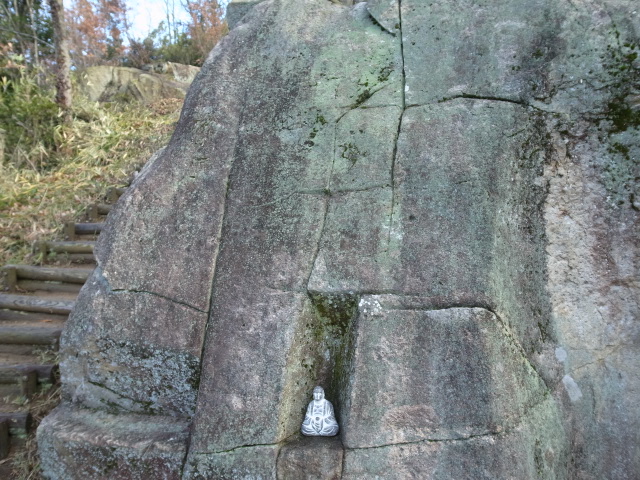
[144, 292]
[119, 291]
[395, 145]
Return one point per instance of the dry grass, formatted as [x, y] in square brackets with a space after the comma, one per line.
[101, 148]
[25, 463]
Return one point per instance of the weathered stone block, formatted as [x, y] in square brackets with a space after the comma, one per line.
[536, 449]
[497, 49]
[154, 241]
[117, 355]
[246, 463]
[311, 458]
[434, 375]
[467, 212]
[496, 328]
[353, 253]
[78, 444]
[104, 83]
[255, 392]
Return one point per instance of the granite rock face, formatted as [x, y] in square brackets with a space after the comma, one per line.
[105, 83]
[428, 208]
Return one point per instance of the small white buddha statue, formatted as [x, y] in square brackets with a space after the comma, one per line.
[320, 420]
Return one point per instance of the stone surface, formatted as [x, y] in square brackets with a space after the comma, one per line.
[470, 171]
[592, 230]
[245, 462]
[386, 13]
[183, 73]
[237, 9]
[105, 83]
[91, 444]
[129, 363]
[500, 49]
[533, 449]
[260, 291]
[435, 375]
[429, 209]
[306, 458]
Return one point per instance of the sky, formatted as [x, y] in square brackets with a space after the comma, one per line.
[145, 15]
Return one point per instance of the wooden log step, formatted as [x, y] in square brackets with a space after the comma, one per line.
[8, 359]
[114, 193]
[19, 422]
[8, 393]
[30, 335]
[95, 212]
[34, 286]
[26, 383]
[88, 228]
[91, 213]
[51, 274]
[31, 317]
[13, 373]
[18, 351]
[70, 247]
[8, 278]
[73, 230]
[5, 443]
[103, 208]
[84, 258]
[32, 303]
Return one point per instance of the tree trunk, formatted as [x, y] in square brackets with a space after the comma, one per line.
[63, 61]
[2, 143]
[35, 57]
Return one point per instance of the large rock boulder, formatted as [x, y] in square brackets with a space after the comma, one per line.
[107, 83]
[429, 208]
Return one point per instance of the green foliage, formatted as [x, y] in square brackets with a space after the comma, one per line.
[180, 51]
[162, 45]
[26, 25]
[182, 42]
[29, 117]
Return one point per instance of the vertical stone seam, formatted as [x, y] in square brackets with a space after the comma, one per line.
[220, 236]
[393, 192]
[395, 146]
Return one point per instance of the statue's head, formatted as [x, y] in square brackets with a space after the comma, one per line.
[318, 393]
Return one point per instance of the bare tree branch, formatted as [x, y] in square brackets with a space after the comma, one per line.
[27, 35]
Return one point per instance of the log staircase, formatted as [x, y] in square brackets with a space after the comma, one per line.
[35, 301]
